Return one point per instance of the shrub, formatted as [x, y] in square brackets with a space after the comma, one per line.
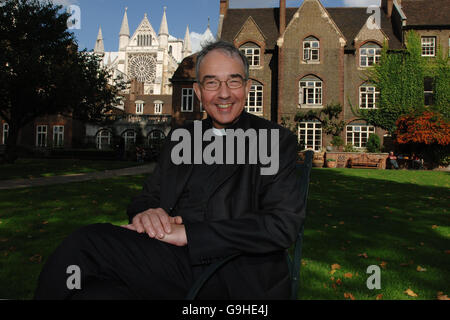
[373, 143]
[337, 141]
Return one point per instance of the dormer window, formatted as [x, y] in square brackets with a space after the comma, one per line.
[139, 107]
[311, 49]
[369, 54]
[253, 54]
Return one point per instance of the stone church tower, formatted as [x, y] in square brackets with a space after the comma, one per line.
[146, 56]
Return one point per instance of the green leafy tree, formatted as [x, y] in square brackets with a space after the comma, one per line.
[399, 78]
[43, 73]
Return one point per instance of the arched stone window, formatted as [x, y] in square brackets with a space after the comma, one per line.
[104, 139]
[310, 91]
[254, 103]
[253, 53]
[369, 54]
[311, 49]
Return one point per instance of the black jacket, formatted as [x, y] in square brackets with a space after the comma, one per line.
[257, 215]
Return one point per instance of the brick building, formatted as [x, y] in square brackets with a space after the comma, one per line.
[308, 57]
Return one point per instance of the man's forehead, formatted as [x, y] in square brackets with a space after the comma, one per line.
[211, 59]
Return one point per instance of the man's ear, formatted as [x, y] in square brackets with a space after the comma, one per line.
[198, 91]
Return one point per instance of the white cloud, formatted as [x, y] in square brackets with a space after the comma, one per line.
[361, 3]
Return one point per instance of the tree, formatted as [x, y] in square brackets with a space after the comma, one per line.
[399, 78]
[43, 73]
[427, 133]
[328, 117]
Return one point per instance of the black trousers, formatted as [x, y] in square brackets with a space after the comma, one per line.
[117, 263]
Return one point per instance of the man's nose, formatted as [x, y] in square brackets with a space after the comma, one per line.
[224, 91]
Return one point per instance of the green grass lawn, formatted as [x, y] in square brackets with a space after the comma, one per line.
[397, 220]
[36, 168]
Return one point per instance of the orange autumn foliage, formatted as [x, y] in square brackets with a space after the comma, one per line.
[427, 128]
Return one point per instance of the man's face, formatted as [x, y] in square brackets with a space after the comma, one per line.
[223, 105]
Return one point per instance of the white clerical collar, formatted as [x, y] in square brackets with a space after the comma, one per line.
[219, 132]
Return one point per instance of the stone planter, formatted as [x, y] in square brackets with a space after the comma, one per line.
[331, 164]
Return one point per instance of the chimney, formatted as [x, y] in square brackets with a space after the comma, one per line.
[224, 5]
[387, 6]
[282, 16]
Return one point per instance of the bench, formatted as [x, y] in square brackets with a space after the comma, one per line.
[363, 161]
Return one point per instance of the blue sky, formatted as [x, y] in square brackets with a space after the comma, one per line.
[109, 13]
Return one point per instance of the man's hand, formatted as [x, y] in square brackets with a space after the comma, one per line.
[155, 222]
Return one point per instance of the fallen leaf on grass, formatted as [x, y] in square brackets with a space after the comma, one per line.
[364, 255]
[341, 222]
[338, 282]
[349, 296]
[383, 264]
[335, 266]
[420, 269]
[332, 271]
[410, 293]
[36, 258]
[348, 275]
[447, 251]
[441, 296]
[45, 222]
[379, 296]
[434, 226]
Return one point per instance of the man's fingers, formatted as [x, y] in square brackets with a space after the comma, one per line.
[176, 220]
[157, 225]
[148, 226]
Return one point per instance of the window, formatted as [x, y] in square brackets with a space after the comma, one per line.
[139, 107]
[254, 102]
[187, 100]
[311, 49]
[310, 92]
[357, 135]
[252, 52]
[158, 108]
[144, 40]
[58, 136]
[41, 136]
[310, 135]
[103, 139]
[428, 91]
[5, 133]
[130, 138]
[369, 54]
[428, 46]
[368, 97]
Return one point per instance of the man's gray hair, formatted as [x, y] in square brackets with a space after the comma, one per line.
[222, 46]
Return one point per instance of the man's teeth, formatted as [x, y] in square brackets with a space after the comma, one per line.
[224, 106]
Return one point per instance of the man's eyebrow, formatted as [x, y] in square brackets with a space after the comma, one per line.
[234, 75]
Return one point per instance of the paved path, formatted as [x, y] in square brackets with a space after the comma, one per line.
[46, 181]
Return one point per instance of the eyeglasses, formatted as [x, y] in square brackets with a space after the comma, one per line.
[214, 84]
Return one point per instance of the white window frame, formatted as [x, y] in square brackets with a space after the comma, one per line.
[255, 99]
[310, 133]
[253, 54]
[101, 137]
[187, 100]
[5, 132]
[369, 97]
[158, 108]
[58, 136]
[311, 48]
[140, 107]
[358, 135]
[428, 45]
[310, 88]
[372, 54]
[129, 137]
[41, 135]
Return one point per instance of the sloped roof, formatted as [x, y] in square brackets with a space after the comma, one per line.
[349, 21]
[427, 12]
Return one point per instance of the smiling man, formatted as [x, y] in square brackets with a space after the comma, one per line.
[191, 215]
